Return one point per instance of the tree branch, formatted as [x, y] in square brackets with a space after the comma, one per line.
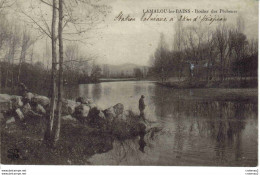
[48, 34]
[48, 4]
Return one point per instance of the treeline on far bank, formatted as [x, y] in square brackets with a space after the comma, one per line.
[37, 77]
[220, 56]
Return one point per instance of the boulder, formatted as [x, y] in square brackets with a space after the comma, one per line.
[124, 116]
[42, 100]
[26, 108]
[5, 97]
[29, 96]
[5, 102]
[40, 109]
[68, 107]
[84, 100]
[81, 111]
[92, 105]
[96, 112]
[68, 117]
[19, 114]
[35, 111]
[126, 124]
[11, 120]
[110, 114]
[114, 112]
[16, 102]
[119, 108]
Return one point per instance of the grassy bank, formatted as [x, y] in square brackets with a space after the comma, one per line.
[22, 143]
[216, 91]
[229, 83]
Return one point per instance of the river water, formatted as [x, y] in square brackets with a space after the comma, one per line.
[197, 128]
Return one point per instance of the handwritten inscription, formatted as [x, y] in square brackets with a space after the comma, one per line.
[185, 15]
[122, 17]
[152, 17]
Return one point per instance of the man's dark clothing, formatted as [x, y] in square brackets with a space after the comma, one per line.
[141, 108]
[141, 104]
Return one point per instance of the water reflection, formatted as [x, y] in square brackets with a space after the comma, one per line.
[197, 130]
[97, 90]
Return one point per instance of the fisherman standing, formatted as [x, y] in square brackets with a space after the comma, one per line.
[142, 107]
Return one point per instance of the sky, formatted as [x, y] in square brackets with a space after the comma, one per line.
[119, 42]
[135, 42]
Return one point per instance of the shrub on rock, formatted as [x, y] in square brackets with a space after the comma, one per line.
[97, 118]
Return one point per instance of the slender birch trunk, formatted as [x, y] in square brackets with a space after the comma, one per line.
[57, 120]
[49, 129]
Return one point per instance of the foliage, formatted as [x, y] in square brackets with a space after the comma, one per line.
[205, 54]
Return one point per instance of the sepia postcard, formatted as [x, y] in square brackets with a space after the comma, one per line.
[129, 83]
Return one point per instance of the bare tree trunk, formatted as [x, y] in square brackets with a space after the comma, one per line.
[57, 119]
[48, 133]
[32, 55]
[22, 58]
[12, 67]
[7, 75]
[19, 70]
[26, 42]
[222, 67]
[1, 68]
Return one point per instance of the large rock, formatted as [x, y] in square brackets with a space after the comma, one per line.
[110, 114]
[10, 120]
[26, 108]
[81, 111]
[125, 124]
[119, 108]
[42, 100]
[68, 118]
[16, 102]
[40, 109]
[68, 107]
[96, 112]
[84, 100]
[124, 116]
[5, 102]
[5, 97]
[92, 105]
[114, 112]
[34, 111]
[19, 114]
[29, 96]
